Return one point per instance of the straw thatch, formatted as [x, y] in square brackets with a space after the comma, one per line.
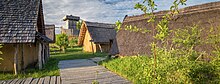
[100, 33]
[133, 43]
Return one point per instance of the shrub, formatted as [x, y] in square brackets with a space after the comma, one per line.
[73, 42]
[62, 41]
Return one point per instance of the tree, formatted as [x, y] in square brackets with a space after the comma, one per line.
[79, 24]
[62, 41]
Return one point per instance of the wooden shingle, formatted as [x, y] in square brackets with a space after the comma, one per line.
[18, 20]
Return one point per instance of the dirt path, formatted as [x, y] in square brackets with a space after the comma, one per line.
[84, 71]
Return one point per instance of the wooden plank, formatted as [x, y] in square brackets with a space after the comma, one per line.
[19, 81]
[8, 81]
[1, 82]
[58, 80]
[14, 81]
[41, 81]
[22, 82]
[35, 81]
[28, 81]
[53, 80]
[47, 80]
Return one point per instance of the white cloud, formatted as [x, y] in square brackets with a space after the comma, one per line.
[107, 11]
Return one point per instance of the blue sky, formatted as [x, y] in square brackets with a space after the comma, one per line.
[107, 11]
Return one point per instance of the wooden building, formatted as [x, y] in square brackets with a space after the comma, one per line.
[134, 43]
[22, 33]
[50, 32]
[70, 28]
[96, 37]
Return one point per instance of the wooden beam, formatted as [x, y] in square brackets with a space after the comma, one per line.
[100, 47]
[16, 60]
[22, 56]
[43, 54]
[40, 56]
[92, 48]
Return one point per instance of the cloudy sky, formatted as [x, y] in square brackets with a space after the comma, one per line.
[107, 11]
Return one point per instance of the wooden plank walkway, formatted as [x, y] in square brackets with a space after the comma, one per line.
[45, 80]
[85, 71]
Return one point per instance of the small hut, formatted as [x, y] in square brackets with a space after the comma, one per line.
[134, 43]
[50, 32]
[70, 28]
[22, 33]
[97, 37]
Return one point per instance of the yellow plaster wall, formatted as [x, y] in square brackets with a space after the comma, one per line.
[87, 44]
[30, 56]
[8, 56]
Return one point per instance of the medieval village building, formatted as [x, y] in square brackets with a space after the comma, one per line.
[22, 33]
[50, 32]
[70, 28]
[134, 43]
[97, 37]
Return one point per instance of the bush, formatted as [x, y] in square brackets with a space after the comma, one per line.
[179, 64]
[62, 41]
[73, 42]
[203, 73]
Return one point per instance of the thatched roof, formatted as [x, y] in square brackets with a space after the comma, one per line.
[133, 43]
[43, 38]
[50, 32]
[101, 33]
[19, 20]
[71, 17]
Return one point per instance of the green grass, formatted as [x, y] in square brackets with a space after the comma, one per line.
[128, 67]
[51, 67]
[140, 70]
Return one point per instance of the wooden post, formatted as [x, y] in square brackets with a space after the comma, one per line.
[48, 51]
[16, 60]
[92, 47]
[43, 54]
[22, 56]
[100, 47]
[40, 56]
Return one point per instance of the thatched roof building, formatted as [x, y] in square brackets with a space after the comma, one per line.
[50, 32]
[96, 37]
[70, 27]
[133, 43]
[22, 31]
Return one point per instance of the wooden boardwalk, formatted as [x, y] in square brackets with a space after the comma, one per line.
[45, 80]
[85, 71]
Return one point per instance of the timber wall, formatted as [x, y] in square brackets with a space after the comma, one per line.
[30, 56]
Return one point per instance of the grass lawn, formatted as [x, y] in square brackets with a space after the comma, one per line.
[51, 67]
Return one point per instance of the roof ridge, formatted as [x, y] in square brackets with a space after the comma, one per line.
[186, 10]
